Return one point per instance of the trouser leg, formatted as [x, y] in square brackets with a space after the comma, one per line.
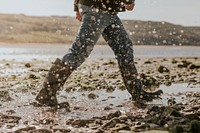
[118, 39]
[90, 30]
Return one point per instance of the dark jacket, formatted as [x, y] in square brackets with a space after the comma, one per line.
[107, 5]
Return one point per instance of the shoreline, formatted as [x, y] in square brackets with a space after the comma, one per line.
[51, 51]
[7, 44]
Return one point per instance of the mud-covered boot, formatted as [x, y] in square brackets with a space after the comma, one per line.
[141, 94]
[134, 86]
[54, 80]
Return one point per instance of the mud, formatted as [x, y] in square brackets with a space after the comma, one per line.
[98, 99]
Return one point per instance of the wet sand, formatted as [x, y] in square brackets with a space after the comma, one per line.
[98, 99]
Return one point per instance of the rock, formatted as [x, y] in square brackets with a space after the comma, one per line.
[81, 122]
[46, 121]
[36, 104]
[152, 110]
[107, 108]
[196, 94]
[162, 115]
[121, 127]
[99, 122]
[76, 108]
[9, 119]
[175, 113]
[99, 131]
[40, 131]
[32, 76]
[193, 66]
[174, 61]
[110, 62]
[123, 117]
[26, 129]
[69, 121]
[111, 123]
[119, 106]
[10, 125]
[26, 122]
[171, 101]
[109, 88]
[196, 107]
[92, 96]
[5, 96]
[7, 64]
[148, 62]
[188, 110]
[168, 83]
[185, 63]
[177, 129]
[64, 105]
[28, 65]
[10, 111]
[192, 116]
[163, 69]
[114, 114]
[178, 107]
[194, 126]
[60, 129]
[140, 125]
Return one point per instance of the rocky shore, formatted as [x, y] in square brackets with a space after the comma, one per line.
[98, 100]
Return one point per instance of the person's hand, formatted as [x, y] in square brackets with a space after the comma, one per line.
[78, 16]
[129, 7]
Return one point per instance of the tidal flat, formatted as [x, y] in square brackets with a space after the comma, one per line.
[98, 100]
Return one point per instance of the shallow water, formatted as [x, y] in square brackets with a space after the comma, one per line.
[85, 108]
[47, 51]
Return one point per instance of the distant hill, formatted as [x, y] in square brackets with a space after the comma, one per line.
[55, 29]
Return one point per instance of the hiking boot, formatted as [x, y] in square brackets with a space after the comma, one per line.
[134, 86]
[54, 80]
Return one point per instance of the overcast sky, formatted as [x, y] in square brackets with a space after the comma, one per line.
[183, 12]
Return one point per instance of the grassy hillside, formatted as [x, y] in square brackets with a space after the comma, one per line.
[26, 29]
[55, 29]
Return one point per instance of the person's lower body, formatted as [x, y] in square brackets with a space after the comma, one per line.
[94, 24]
[90, 30]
